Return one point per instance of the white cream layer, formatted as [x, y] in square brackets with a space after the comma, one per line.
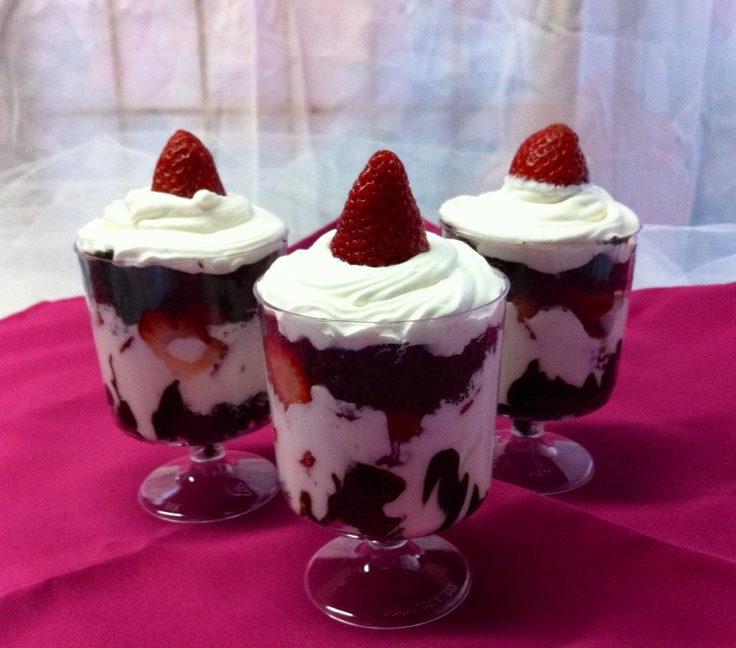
[141, 377]
[205, 233]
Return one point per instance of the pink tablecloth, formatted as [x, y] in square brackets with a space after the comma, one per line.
[644, 555]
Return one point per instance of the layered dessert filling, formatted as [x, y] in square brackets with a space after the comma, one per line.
[563, 334]
[389, 440]
[383, 378]
[169, 283]
[568, 252]
[181, 354]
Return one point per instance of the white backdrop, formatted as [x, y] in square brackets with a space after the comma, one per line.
[292, 97]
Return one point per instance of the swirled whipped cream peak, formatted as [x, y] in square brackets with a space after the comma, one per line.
[185, 220]
[378, 265]
[546, 197]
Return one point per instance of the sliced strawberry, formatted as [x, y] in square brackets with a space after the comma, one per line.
[551, 155]
[155, 328]
[588, 307]
[288, 381]
[158, 331]
[185, 166]
[404, 425]
[380, 224]
[526, 307]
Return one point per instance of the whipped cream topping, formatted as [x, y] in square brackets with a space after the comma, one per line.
[206, 233]
[547, 227]
[525, 211]
[449, 278]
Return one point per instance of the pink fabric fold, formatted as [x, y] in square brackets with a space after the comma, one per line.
[643, 555]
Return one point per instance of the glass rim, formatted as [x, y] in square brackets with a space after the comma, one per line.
[276, 243]
[505, 287]
[562, 243]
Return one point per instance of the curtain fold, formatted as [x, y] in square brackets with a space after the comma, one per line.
[294, 95]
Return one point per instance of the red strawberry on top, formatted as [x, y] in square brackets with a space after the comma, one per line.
[380, 224]
[551, 155]
[185, 166]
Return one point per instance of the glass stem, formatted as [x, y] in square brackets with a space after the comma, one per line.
[382, 545]
[209, 452]
[527, 429]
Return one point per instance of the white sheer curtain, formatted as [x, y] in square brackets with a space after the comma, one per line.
[293, 96]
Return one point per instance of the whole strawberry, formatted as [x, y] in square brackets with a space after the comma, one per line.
[185, 166]
[551, 155]
[380, 224]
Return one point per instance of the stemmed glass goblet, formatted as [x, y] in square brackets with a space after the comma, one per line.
[382, 433]
[181, 357]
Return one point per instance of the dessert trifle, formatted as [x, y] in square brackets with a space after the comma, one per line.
[382, 350]
[169, 273]
[567, 248]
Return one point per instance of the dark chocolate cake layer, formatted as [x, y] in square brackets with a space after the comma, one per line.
[133, 291]
[392, 377]
[536, 397]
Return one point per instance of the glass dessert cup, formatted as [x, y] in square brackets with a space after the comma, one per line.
[382, 434]
[181, 357]
[563, 329]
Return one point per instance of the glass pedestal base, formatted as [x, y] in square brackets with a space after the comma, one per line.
[209, 486]
[546, 463]
[387, 585]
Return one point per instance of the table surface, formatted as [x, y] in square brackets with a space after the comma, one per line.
[643, 555]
